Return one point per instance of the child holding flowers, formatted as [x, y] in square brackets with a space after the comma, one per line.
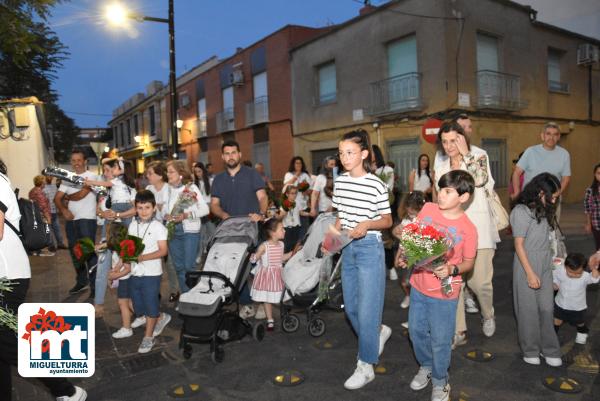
[290, 213]
[432, 313]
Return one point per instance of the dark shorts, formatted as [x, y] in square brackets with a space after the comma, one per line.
[123, 289]
[575, 317]
[144, 294]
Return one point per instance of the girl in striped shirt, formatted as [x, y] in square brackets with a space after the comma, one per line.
[268, 282]
[363, 210]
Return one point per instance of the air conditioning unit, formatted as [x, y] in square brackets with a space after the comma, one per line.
[184, 101]
[236, 77]
[587, 53]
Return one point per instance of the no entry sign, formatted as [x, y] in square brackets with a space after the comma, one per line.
[430, 129]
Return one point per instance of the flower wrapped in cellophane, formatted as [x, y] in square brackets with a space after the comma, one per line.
[83, 249]
[186, 198]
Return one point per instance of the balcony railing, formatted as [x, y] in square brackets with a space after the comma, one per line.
[556, 86]
[257, 112]
[397, 94]
[225, 120]
[499, 91]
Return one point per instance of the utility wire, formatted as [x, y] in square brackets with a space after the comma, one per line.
[88, 114]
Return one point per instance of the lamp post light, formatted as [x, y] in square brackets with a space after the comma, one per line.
[117, 15]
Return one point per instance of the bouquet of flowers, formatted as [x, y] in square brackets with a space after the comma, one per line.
[425, 247]
[186, 198]
[303, 186]
[7, 318]
[334, 240]
[130, 248]
[287, 204]
[82, 250]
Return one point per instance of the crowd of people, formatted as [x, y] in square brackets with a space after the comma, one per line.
[174, 211]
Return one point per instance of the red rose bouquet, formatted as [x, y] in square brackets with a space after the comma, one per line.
[425, 247]
[303, 186]
[186, 198]
[82, 250]
[130, 248]
[287, 204]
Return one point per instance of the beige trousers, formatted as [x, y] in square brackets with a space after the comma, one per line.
[479, 281]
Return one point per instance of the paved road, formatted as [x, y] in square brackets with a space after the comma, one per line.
[249, 366]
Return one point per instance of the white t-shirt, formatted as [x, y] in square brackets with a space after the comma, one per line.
[115, 260]
[571, 291]
[161, 199]
[86, 207]
[14, 263]
[292, 217]
[319, 186]
[150, 233]
[120, 192]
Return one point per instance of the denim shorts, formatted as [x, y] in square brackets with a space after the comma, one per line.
[144, 294]
[123, 290]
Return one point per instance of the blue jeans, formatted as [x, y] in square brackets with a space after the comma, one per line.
[55, 225]
[104, 266]
[77, 229]
[363, 284]
[431, 323]
[183, 249]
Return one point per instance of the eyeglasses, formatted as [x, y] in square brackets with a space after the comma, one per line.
[349, 155]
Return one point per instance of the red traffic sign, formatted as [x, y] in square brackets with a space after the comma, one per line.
[430, 129]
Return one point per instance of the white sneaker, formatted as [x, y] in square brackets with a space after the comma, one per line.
[260, 313]
[405, 302]
[489, 327]
[138, 322]
[362, 375]
[440, 393]
[123, 332]
[146, 345]
[404, 324]
[165, 318]
[80, 395]
[471, 306]
[459, 339]
[581, 338]
[555, 362]
[421, 379]
[247, 311]
[532, 360]
[393, 274]
[384, 335]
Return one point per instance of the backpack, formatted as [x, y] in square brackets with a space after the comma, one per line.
[33, 231]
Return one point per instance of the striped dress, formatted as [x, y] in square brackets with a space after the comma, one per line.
[268, 283]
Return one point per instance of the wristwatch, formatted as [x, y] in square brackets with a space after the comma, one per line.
[455, 271]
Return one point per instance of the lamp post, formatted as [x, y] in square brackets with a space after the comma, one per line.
[117, 15]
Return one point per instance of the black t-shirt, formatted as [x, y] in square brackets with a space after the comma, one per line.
[237, 193]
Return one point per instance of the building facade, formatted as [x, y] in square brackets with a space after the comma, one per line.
[394, 67]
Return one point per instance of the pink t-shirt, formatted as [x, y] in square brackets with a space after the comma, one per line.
[464, 236]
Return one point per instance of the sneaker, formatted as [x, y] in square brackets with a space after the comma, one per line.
[138, 322]
[77, 288]
[555, 362]
[581, 338]
[146, 345]
[80, 395]
[489, 327]
[260, 313]
[165, 318]
[123, 332]
[405, 302]
[393, 274]
[421, 379]
[459, 339]
[384, 335]
[46, 252]
[362, 375]
[247, 311]
[440, 393]
[270, 325]
[404, 324]
[471, 306]
[532, 360]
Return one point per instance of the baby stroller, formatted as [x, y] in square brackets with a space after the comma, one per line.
[210, 309]
[310, 281]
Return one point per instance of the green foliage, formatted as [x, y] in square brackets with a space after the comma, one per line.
[7, 318]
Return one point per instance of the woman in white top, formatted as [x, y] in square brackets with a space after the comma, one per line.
[322, 189]
[463, 156]
[297, 176]
[420, 179]
[183, 244]
[381, 170]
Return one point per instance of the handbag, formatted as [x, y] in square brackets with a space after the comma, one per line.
[499, 214]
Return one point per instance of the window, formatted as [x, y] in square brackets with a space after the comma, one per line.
[201, 117]
[136, 127]
[115, 130]
[487, 52]
[402, 56]
[122, 129]
[259, 83]
[327, 83]
[261, 154]
[555, 83]
[496, 150]
[152, 116]
[228, 98]
[403, 82]
[128, 132]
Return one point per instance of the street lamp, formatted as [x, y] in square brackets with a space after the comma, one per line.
[117, 15]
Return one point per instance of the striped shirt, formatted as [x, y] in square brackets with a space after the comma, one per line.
[359, 199]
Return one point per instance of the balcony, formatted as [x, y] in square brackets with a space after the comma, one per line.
[257, 112]
[398, 94]
[499, 91]
[558, 87]
[225, 120]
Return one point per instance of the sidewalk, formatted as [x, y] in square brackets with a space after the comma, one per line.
[249, 367]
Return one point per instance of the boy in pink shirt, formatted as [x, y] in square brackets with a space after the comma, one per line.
[432, 314]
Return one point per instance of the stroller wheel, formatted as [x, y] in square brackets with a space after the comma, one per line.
[217, 354]
[258, 331]
[316, 327]
[187, 351]
[290, 323]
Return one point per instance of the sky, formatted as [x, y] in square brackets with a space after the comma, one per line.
[107, 65]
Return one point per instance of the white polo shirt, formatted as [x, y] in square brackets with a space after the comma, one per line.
[86, 207]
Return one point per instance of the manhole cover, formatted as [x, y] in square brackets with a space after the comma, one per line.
[183, 390]
[288, 378]
[562, 384]
[478, 355]
[325, 344]
[144, 362]
[382, 369]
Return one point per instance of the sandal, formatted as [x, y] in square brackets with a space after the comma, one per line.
[270, 325]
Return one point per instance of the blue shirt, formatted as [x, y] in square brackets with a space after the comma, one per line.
[537, 160]
[237, 193]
